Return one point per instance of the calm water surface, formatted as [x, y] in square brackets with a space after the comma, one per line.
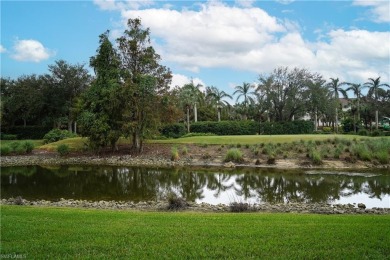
[371, 187]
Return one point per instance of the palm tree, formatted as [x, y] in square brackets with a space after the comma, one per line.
[217, 97]
[188, 98]
[245, 91]
[374, 85]
[335, 88]
[357, 91]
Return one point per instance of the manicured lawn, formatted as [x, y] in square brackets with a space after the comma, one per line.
[55, 233]
[8, 142]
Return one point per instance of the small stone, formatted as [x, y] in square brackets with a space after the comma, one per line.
[361, 206]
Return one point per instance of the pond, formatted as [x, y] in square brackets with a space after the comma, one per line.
[371, 187]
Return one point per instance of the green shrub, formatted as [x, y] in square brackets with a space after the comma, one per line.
[63, 149]
[20, 150]
[363, 132]
[14, 146]
[28, 146]
[5, 150]
[56, 135]
[234, 155]
[27, 132]
[8, 137]
[327, 130]
[376, 133]
[173, 130]
[382, 157]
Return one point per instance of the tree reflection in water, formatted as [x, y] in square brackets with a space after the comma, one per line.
[142, 183]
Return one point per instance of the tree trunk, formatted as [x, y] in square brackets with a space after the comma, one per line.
[195, 113]
[137, 143]
[376, 120]
[75, 128]
[24, 122]
[315, 121]
[337, 121]
[70, 125]
[219, 115]
[188, 119]
[354, 123]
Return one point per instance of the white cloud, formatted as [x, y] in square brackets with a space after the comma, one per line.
[2, 49]
[30, 50]
[180, 80]
[114, 5]
[285, 2]
[216, 35]
[354, 54]
[380, 9]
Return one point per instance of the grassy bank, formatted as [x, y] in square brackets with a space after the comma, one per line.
[76, 233]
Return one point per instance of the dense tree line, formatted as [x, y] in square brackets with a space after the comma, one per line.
[129, 96]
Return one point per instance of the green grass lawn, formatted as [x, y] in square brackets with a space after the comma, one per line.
[55, 233]
[36, 143]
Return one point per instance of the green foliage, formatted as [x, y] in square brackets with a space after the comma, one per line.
[226, 127]
[28, 132]
[28, 146]
[327, 130]
[234, 155]
[252, 127]
[5, 150]
[363, 132]
[376, 133]
[184, 150]
[382, 156]
[173, 130]
[8, 137]
[287, 128]
[57, 135]
[174, 154]
[316, 157]
[63, 149]
[14, 146]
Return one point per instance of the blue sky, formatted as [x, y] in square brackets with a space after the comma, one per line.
[219, 43]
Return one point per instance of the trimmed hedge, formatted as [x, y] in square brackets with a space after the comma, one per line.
[226, 127]
[287, 128]
[241, 128]
[27, 132]
[173, 130]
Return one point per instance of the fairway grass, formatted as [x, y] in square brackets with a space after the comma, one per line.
[57, 233]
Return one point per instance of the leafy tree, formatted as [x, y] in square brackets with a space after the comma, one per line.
[64, 85]
[286, 92]
[357, 91]
[22, 99]
[144, 79]
[102, 105]
[245, 92]
[374, 85]
[217, 97]
[189, 96]
[317, 100]
[335, 87]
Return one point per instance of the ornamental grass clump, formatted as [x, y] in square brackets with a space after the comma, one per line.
[63, 149]
[234, 155]
[239, 207]
[175, 202]
[382, 157]
[316, 157]
[174, 154]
